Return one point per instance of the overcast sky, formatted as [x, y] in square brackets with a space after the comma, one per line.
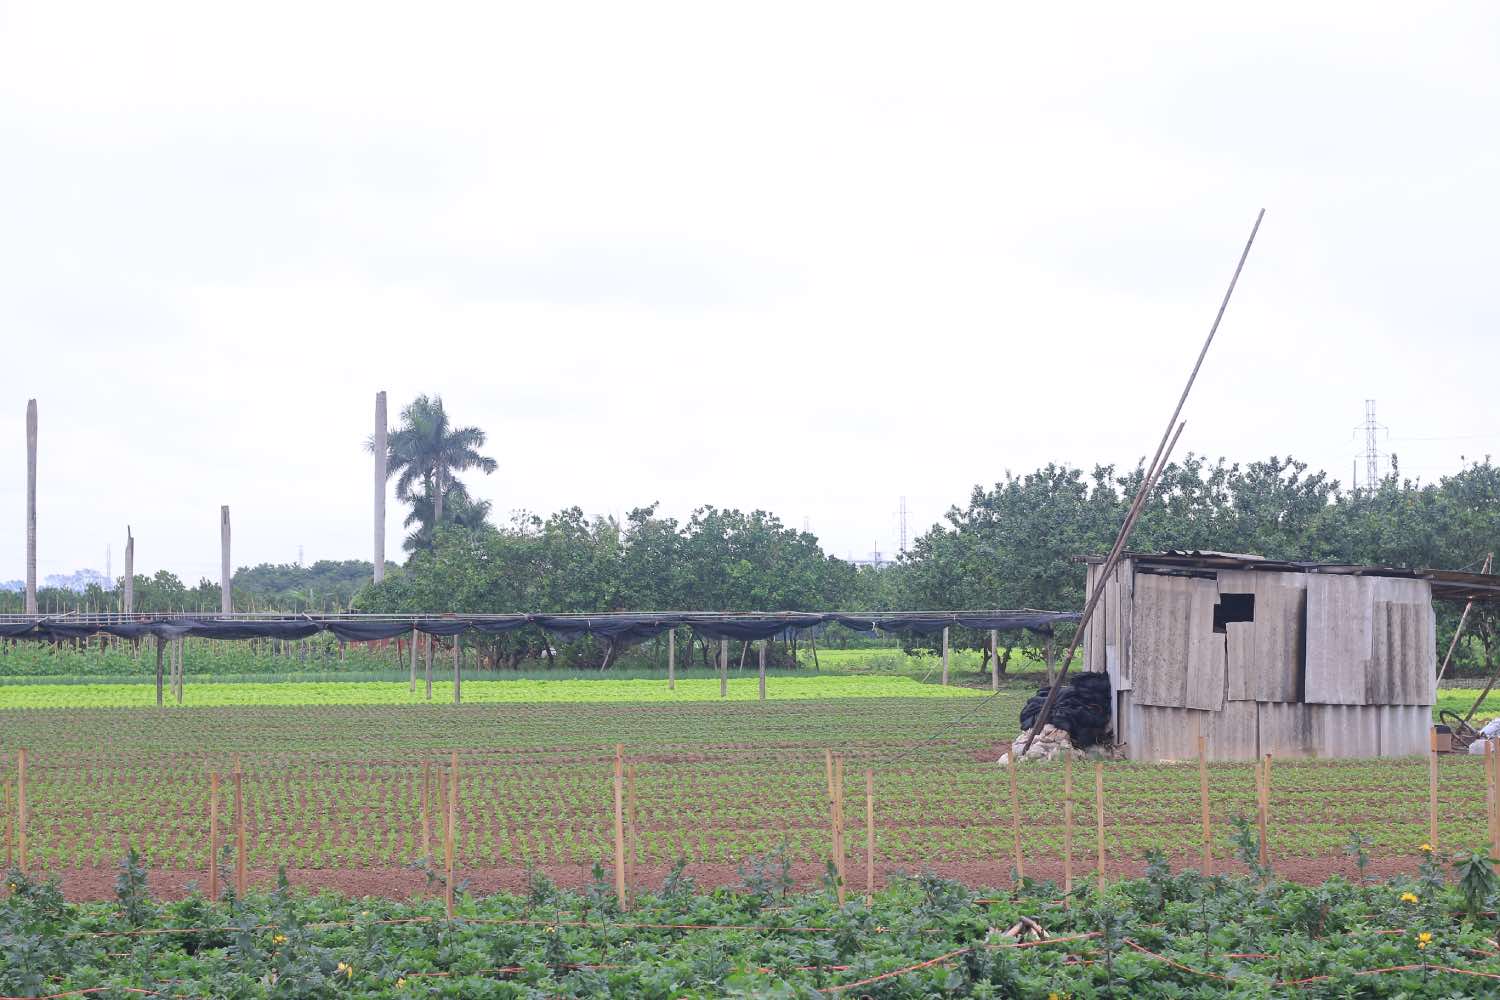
[808, 258]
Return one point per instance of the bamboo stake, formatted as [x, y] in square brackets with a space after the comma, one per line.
[761, 658]
[1208, 833]
[10, 822]
[413, 687]
[1099, 815]
[994, 659]
[213, 835]
[723, 668]
[1015, 819]
[1263, 805]
[457, 674]
[1432, 788]
[21, 810]
[671, 659]
[620, 842]
[1489, 795]
[427, 660]
[241, 875]
[838, 813]
[630, 828]
[427, 810]
[945, 656]
[452, 833]
[1067, 822]
[869, 835]
[160, 643]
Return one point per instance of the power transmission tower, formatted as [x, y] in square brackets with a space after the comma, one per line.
[1372, 453]
[903, 525]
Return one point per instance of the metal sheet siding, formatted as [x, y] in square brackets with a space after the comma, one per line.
[1339, 639]
[1159, 733]
[1177, 660]
[1264, 656]
[1404, 729]
[1403, 654]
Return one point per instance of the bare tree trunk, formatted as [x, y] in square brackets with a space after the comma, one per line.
[226, 600]
[381, 448]
[31, 506]
[437, 502]
[609, 653]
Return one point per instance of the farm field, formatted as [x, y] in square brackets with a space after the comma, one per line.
[334, 791]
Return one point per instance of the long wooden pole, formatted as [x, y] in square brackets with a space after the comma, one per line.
[620, 841]
[1067, 822]
[761, 661]
[1432, 788]
[1148, 482]
[451, 844]
[1203, 804]
[838, 814]
[427, 810]
[869, 835]
[631, 841]
[457, 674]
[10, 822]
[1462, 619]
[160, 645]
[241, 874]
[427, 662]
[723, 668]
[994, 659]
[1263, 807]
[213, 835]
[413, 687]
[671, 659]
[1489, 796]
[945, 656]
[1099, 816]
[22, 814]
[1015, 819]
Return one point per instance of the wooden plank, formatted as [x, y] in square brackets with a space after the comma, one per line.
[213, 835]
[869, 835]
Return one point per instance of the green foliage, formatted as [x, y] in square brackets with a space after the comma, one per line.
[916, 938]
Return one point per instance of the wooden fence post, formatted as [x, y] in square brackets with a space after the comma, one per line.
[241, 875]
[945, 656]
[1208, 836]
[671, 659]
[427, 810]
[452, 833]
[1067, 821]
[213, 835]
[1015, 818]
[10, 823]
[427, 661]
[1492, 785]
[21, 810]
[160, 643]
[413, 688]
[620, 841]
[457, 674]
[1432, 788]
[761, 657]
[631, 844]
[994, 659]
[723, 668]
[1263, 806]
[869, 835]
[838, 820]
[1099, 815]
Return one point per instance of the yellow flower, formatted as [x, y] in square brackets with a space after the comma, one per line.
[346, 969]
[1408, 897]
[1424, 939]
[1425, 848]
[278, 939]
[401, 983]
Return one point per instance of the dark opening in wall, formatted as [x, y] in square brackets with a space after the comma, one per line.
[1233, 608]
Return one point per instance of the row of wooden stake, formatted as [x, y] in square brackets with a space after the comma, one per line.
[626, 817]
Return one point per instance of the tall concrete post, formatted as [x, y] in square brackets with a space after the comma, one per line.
[31, 506]
[129, 604]
[226, 602]
[380, 478]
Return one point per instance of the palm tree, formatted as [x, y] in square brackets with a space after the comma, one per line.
[461, 511]
[426, 452]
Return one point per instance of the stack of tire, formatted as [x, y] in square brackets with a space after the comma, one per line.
[1081, 709]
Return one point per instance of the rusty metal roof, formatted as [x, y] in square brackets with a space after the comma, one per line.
[1448, 585]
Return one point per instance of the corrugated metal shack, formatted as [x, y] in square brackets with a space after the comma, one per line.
[1264, 656]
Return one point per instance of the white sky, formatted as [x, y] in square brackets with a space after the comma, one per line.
[802, 257]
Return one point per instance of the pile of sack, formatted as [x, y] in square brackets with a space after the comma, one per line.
[1081, 709]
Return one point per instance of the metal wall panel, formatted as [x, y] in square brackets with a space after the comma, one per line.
[1404, 729]
[1403, 654]
[1264, 657]
[1177, 660]
[1339, 639]
[1345, 730]
[1158, 733]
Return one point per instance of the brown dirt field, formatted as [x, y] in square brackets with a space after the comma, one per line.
[85, 884]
